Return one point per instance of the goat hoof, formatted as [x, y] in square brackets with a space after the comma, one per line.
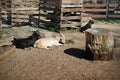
[28, 48]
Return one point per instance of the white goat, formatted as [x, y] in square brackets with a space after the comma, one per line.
[50, 42]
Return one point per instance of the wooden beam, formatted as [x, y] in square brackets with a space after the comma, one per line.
[94, 5]
[114, 16]
[25, 9]
[72, 24]
[95, 16]
[70, 17]
[71, 10]
[95, 10]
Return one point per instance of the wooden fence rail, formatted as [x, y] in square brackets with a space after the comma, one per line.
[104, 11]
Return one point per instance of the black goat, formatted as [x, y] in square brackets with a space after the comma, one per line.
[87, 26]
[26, 42]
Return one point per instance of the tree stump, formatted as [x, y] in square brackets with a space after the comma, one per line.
[99, 43]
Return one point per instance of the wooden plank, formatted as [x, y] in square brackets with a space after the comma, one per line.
[70, 17]
[111, 9]
[114, 16]
[113, 5]
[95, 16]
[24, 2]
[20, 16]
[4, 16]
[20, 20]
[3, 12]
[26, 9]
[94, 5]
[70, 25]
[24, 12]
[71, 5]
[72, 1]
[95, 10]
[71, 9]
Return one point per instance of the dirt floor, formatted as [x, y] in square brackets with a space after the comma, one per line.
[66, 62]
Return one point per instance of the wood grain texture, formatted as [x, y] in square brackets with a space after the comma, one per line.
[100, 43]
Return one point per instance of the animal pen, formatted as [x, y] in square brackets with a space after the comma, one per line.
[58, 14]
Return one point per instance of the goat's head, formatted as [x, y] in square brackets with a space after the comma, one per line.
[36, 34]
[62, 38]
[14, 41]
[91, 21]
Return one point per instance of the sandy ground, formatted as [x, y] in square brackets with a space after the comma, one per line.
[66, 62]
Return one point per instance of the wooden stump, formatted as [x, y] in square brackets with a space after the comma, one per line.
[99, 43]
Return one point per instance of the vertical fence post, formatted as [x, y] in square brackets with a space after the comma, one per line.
[39, 13]
[10, 11]
[0, 16]
[107, 9]
[0, 21]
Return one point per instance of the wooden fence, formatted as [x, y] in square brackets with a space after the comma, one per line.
[61, 13]
[103, 11]
[0, 17]
[21, 12]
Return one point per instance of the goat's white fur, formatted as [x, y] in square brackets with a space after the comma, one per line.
[49, 42]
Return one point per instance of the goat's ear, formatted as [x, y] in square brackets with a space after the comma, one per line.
[62, 38]
[61, 35]
[14, 38]
[37, 31]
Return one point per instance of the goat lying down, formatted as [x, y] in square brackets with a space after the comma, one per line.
[50, 42]
[26, 42]
[87, 26]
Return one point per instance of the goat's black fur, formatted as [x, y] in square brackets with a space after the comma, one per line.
[26, 42]
[87, 26]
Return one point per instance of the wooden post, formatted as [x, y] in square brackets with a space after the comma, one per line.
[0, 16]
[0, 21]
[99, 43]
[107, 9]
[39, 14]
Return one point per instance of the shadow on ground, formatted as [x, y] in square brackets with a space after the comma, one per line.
[78, 53]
